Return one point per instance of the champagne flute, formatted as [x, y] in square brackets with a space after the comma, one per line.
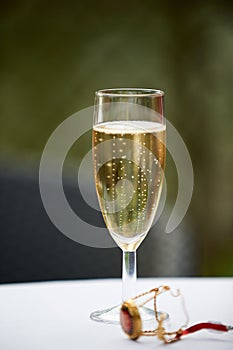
[129, 158]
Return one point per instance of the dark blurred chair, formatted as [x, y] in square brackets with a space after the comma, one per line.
[32, 249]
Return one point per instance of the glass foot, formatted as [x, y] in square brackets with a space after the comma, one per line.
[112, 316]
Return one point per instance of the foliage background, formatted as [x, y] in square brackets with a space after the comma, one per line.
[55, 54]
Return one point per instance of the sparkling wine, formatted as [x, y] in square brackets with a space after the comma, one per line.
[129, 160]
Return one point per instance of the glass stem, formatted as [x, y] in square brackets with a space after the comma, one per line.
[129, 275]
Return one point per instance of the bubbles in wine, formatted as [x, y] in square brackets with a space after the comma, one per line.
[129, 159]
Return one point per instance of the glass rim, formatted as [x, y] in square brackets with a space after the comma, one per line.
[129, 92]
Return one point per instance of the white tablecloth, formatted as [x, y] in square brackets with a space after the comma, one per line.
[55, 315]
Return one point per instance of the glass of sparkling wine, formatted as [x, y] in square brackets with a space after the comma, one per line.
[129, 158]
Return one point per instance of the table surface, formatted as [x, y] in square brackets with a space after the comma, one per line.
[55, 315]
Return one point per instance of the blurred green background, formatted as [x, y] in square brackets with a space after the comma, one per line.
[55, 54]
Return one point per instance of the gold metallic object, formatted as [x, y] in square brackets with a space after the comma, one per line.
[129, 312]
[131, 322]
[132, 325]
